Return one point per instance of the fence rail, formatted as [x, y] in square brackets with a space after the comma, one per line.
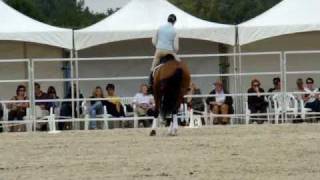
[75, 79]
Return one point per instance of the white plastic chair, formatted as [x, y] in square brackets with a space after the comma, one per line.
[5, 117]
[284, 104]
[303, 109]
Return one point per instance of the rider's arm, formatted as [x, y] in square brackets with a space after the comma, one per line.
[155, 39]
[176, 43]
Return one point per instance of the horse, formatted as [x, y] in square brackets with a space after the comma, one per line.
[171, 82]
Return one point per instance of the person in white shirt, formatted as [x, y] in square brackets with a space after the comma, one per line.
[221, 103]
[144, 102]
[166, 41]
[312, 99]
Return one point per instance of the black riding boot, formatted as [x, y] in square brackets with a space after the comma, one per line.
[150, 88]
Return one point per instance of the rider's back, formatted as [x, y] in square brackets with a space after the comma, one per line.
[166, 37]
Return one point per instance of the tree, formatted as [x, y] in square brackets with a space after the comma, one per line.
[63, 13]
[225, 11]
[73, 13]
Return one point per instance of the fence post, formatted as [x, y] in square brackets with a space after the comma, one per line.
[32, 112]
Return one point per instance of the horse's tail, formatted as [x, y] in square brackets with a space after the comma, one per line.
[170, 102]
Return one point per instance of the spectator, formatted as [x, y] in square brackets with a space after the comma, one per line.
[40, 95]
[144, 103]
[257, 104]
[277, 85]
[66, 108]
[113, 103]
[18, 110]
[195, 103]
[312, 99]
[221, 103]
[41, 107]
[96, 106]
[300, 88]
[52, 94]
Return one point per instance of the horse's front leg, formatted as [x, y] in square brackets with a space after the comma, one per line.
[173, 128]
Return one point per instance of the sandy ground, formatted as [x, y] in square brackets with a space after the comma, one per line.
[242, 152]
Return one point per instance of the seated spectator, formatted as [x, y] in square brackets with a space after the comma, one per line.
[144, 103]
[276, 85]
[40, 95]
[312, 99]
[96, 107]
[18, 110]
[52, 94]
[195, 103]
[113, 104]
[66, 109]
[257, 104]
[220, 104]
[41, 107]
[300, 88]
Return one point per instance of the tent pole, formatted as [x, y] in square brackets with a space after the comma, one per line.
[238, 70]
[77, 88]
[235, 77]
[240, 88]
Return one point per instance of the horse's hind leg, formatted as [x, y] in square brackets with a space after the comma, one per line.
[154, 127]
[154, 124]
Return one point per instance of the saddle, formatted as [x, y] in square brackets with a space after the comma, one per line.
[163, 60]
[167, 58]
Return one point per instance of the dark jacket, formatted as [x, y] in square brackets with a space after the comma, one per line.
[197, 103]
[255, 101]
[228, 101]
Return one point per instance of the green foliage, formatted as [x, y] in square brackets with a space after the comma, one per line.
[64, 13]
[73, 14]
[225, 11]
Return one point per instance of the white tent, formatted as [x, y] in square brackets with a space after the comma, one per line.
[18, 27]
[140, 19]
[24, 37]
[292, 25]
[128, 32]
[288, 17]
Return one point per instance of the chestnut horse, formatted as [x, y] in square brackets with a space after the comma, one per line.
[171, 84]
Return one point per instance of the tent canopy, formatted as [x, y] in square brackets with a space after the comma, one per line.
[18, 27]
[288, 17]
[141, 18]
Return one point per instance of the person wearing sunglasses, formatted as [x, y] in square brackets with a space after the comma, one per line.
[18, 110]
[257, 103]
[312, 99]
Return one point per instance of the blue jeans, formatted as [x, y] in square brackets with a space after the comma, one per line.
[96, 108]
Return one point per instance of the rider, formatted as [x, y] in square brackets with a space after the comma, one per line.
[166, 42]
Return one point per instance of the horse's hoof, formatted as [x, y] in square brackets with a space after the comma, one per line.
[153, 133]
[173, 132]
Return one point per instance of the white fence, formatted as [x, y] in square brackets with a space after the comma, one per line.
[239, 78]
